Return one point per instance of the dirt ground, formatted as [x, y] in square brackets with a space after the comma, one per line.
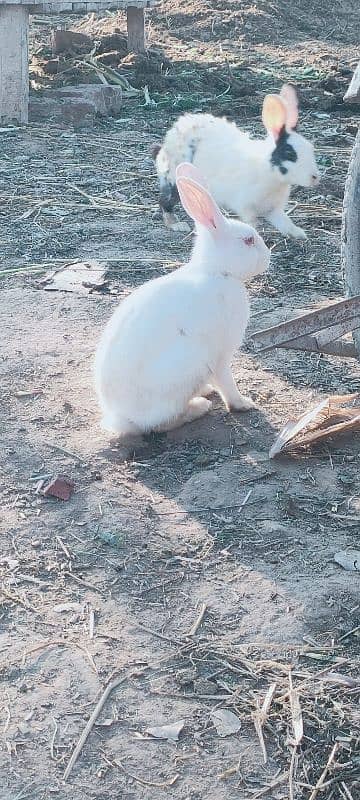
[157, 537]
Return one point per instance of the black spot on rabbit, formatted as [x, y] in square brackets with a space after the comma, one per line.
[169, 195]
[192, 151]
[283, 152]
[155, 150]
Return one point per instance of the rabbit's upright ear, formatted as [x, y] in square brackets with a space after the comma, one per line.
[274, 115]
[289, 96]
[199, 205]
[187, 170]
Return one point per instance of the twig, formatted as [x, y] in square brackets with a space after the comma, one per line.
[83, 583]
[266, 789]
[296, 713]
[91, 622]
[260, 716]
[159, 635]
[259, 731]
[349, 633]
[92, 662]
[63, 547]
[325, 771]
[198, 621]
[347, 791]
[31, 579]
[230, 771]
[291, 773]
[23, 792]
[16, 599]
[90, 724]
[59, 643]
[163, 785]
[64, 450]
[53, 739]
[246, 498]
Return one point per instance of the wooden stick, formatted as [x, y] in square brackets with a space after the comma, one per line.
[198, 621]
[159, 635]
[90, 724]
[162, 785]
[325, 771]
[65, 451]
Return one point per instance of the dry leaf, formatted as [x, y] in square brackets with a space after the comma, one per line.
[225, 722]
[80, 277]
[326, 419]
[171, 731]
[348, 559]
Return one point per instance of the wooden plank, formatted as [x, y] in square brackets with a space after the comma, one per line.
[311, 344]
[59, 5]
[14, 63]
[83, 6]
[350, 234]
[353, 93]
[136, 29]
[346, 311]
[337, 331]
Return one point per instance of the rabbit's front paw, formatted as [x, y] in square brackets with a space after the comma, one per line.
[241, 403]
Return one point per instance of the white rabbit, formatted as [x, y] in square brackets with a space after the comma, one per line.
[172, 340]
[250, 177]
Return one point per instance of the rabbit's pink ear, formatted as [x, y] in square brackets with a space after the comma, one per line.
[289, 96]
[274, 114]
[187, 170]
[199, 204]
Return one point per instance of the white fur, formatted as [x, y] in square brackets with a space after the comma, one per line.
[176, 334]
[238, 169]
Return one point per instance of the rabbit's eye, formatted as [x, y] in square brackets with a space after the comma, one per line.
[249, 240]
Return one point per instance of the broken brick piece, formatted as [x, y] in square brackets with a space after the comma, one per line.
[70, 42]
[60, 487]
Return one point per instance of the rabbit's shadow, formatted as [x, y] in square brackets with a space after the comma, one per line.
[195, 445]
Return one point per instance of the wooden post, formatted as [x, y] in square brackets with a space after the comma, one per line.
[14, 63]
[353, 93]
[136, 29]
[350, 249]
